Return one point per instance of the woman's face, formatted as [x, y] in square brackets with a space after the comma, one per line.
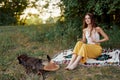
[87, 19]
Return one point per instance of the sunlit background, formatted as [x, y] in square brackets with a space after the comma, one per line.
[46, 11]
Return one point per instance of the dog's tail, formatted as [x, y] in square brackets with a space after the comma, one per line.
[48, 57]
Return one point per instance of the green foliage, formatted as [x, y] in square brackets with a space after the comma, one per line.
[103, 10]
[96, 6]
[10, 11]
[114, 33]
[113, 5]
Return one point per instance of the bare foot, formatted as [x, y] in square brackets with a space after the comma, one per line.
[66, 68]
[69, 68]
[72, 66]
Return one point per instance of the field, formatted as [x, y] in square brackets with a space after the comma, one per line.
[34, 41]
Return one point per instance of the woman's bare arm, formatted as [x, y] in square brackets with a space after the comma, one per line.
[105, 37]
[83, 36]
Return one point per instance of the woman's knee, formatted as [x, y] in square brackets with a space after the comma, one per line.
[84, 45]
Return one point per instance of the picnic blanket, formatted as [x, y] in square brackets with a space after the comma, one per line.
[108, 57]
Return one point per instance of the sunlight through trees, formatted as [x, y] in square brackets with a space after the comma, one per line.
[42, 11]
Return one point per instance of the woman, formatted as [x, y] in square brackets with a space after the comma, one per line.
[91, 49]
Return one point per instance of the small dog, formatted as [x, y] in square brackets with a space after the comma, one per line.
[32, 64]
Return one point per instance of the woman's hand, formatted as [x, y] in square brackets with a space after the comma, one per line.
[94, 41]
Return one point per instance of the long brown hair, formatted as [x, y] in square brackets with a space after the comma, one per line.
[94, 25]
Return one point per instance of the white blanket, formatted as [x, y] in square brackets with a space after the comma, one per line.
[115, 54]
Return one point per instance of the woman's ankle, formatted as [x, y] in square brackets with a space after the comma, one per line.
[73, 66]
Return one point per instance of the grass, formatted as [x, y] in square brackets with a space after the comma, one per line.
[32, 40]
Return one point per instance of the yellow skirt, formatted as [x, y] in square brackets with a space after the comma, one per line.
[87, 50]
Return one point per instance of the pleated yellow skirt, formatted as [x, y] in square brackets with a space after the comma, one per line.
[87, 50]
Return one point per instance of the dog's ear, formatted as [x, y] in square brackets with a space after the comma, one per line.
[48, 57]
[40, 60]
[19, 59]
[22, 58]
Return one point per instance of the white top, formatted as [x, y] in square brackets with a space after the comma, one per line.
[94, 36]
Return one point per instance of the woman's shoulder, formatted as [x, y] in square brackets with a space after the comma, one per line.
[98, 28]
[84, 29]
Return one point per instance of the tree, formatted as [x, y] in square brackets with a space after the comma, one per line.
[10, 10]
[44, 9]
[105, 10]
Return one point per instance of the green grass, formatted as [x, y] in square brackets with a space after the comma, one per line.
[37, 41]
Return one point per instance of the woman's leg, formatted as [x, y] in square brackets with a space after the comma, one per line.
[75, 63]
[72, 60]
[86, 51]
[75, 51]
